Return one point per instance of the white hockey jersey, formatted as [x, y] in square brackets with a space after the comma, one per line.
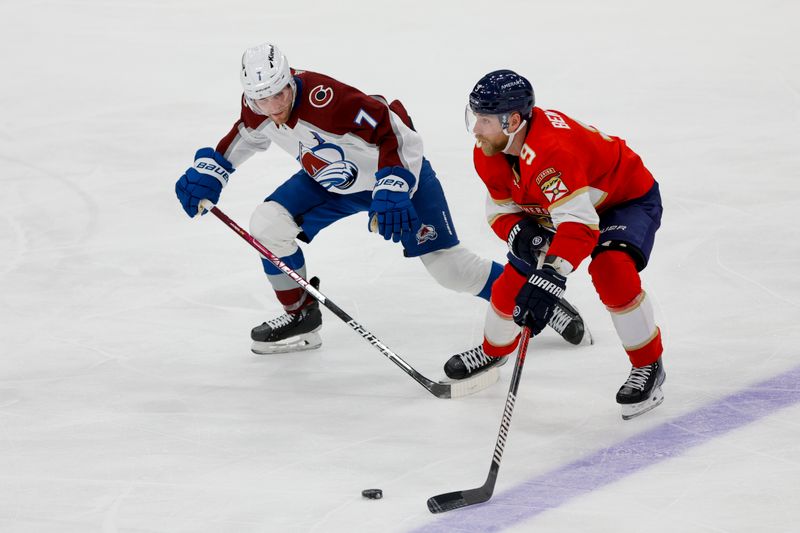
[340, 136]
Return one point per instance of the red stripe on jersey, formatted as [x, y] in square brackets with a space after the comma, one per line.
[649, 353]
[502, 225]
[248, 118]
[574, 242]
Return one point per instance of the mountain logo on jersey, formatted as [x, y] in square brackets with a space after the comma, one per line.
[554, 188]
[426, 233]
[326, 163]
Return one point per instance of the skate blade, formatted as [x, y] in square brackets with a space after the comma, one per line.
[476, 382]
[587, 339]
[301, 343]
[635, 409]
[482, 380]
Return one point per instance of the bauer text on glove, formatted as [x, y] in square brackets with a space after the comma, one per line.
[391, 203]
[204, 180]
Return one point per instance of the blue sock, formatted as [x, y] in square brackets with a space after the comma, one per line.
[296, 261]
[486, 291]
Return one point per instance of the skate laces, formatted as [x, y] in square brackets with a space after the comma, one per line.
[281, 321]
[559, 320]
[474, 358]
[639, 376]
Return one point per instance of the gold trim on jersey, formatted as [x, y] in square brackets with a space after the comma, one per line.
[491, 220]
[644, 343]
[599, 200]
[505, 201]
[571, 196]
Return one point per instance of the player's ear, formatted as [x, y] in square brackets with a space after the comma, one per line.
[514, 121]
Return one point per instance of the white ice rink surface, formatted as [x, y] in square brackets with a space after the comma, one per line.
[129, 400]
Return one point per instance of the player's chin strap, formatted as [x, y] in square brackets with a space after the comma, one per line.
[512, 136]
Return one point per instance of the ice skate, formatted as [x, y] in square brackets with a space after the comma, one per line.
[642, 391]
[290, 332]
[568, 323]
[470, 363]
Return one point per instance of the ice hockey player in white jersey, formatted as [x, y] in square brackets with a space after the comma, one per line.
[357, 153]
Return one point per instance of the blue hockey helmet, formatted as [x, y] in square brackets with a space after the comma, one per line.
[502, 92]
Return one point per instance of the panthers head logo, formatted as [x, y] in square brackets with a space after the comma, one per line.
[326, 163]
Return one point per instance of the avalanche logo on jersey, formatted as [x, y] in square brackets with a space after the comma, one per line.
[426, 233]
[326, 163]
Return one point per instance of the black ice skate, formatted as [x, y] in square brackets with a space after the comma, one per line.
[472, 362]
[567, 322]
[290, 332]
[642, 391]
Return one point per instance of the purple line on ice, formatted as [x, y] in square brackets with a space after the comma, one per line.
[611, 464]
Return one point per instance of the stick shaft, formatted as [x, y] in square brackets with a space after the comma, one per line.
[440, 390]
[462, 498]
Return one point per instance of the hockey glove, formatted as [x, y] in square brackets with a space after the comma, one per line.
[204, 180]
[526, 238]
[391, 203]
[537, 298]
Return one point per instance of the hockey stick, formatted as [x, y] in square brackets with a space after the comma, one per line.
[455, 389]
[462, 498]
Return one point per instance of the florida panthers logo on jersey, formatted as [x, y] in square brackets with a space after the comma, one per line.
[554, 189]
[326, 163]
[426, 233]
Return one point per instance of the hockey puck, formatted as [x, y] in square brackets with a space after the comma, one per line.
[372, 494]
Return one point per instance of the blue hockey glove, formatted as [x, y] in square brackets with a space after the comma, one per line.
[536, 299]
[204, 180]
[528, 237]
[391, 203]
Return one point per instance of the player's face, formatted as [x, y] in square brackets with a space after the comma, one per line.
[277, 107]
[489, 133]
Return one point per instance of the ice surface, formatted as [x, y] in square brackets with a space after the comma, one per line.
[129, 401]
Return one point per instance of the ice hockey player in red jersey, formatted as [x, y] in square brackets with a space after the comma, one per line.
[560, 192]
[357, 153]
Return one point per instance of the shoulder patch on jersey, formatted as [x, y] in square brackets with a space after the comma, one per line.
[320, 96]
[544, 173]
[554, 188]
[556, 120]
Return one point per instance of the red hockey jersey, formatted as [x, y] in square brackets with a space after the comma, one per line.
[567, 173]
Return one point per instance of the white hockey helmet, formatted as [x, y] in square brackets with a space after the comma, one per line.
[265, 71]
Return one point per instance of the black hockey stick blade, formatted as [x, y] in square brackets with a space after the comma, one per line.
[462, 498]
[458, 499]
